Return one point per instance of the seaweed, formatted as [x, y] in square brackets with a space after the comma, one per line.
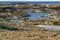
[11, 28]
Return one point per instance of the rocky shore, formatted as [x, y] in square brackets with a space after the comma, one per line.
[14, 24]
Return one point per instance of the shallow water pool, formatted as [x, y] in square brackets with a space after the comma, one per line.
[36, 15]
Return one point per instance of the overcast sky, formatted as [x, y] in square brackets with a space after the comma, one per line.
[29, 0]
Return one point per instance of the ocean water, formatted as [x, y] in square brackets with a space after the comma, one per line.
[18, 2]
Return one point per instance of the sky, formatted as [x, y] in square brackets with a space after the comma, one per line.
[29, 0]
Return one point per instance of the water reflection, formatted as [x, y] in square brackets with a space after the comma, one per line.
[37, 15]
[49, 27]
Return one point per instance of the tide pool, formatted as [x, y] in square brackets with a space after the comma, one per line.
[36, 16]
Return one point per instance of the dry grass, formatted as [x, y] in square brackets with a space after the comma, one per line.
[34, 34]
